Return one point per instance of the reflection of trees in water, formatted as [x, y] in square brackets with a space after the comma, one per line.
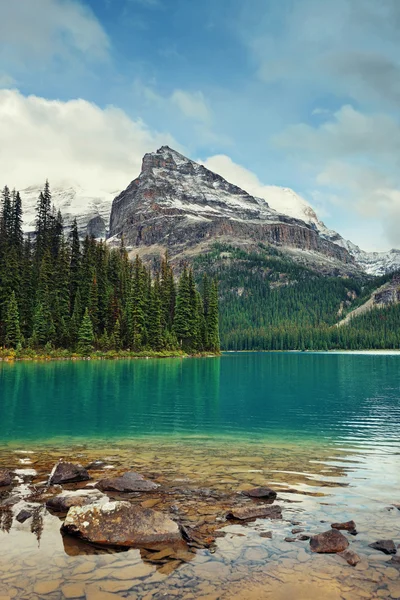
[6, 518]
[37, 522]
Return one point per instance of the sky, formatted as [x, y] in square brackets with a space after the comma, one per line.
[297, 93]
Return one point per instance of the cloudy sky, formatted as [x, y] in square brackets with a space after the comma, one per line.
[298, 93]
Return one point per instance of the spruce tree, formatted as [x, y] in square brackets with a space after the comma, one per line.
[86, 335]
[12, 327]
[183, 312]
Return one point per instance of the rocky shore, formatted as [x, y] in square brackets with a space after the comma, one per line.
[102, 509]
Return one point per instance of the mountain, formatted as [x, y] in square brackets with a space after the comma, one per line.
[181, 205]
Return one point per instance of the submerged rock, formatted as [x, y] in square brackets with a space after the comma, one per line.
[120, 524]
[66, 472]
[128, 482]
[254, 512]
[63, 502]
[386, 546]
[6, 477]
[261, 492]
[350, 557]
[329, 542]
[23, 516]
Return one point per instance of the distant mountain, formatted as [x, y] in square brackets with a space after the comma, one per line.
[178, 204]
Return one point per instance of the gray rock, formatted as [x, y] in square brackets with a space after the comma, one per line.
[66, 472]
[385, 546]
[6, 477]
[329, 542]
[261, 492]
[128, 482]
[260, 511]
[63, 502]
[23, 516]
[121, 524]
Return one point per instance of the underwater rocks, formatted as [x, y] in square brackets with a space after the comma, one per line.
[261, 492]
[245, 513]
[23, 516]
[63, 502]
[385, 546]
[128, 482]
[350, 557]
[66, 472]
[349, 526]
[329, 542]
[120, 524]
[6, 477]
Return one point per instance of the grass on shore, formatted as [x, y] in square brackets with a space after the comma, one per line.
[8, 355]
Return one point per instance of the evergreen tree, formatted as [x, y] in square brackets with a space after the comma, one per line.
[86, 335]
[13, 332]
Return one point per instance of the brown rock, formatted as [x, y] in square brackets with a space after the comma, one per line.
[297, 530]
[73, 590]
[47, 587]
[351, 557]
[290, 539]
[128, 482]
[385, 546]
[266, 534]
[347, 526]
[120, 524]
[261, 492]
[255, 512]
[6, 477]
[329, 542]
[303, 537]
[66, 472]
[94, 592]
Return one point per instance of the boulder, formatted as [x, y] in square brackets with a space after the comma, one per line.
[6, 477]
[385, 546]
[244, 513]
[63, 502]
[66, 472]
[350, 557]
[349, 526]
[329, 542]
[128, 482]
[23, 516]
[261, 492]
[120, 524]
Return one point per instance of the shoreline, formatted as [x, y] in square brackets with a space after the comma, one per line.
[62, 355]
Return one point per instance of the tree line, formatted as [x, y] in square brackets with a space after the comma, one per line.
[59, 292]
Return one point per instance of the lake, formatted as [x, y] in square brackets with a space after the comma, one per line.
[322, 429]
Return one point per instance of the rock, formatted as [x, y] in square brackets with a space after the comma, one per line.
[73, 590]
[289, 539]
[303, 537]
[386, 546]
[395, 562]
[120, 524]
[397, 506]
[23, 516]
[255, 512]
[63, 502]
[6, 477]
[266, 534]
[47, 587]
[349, 526]
[351, 557]
[297, 530]
[128, 482]
[66, 472]
[94, 592]
[261, 492]
[329, 542]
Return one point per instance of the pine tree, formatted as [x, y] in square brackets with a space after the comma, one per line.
[12, 328]
[86, 335]
[212, 319]
[183, 312]
[75, 263]
[154, 329]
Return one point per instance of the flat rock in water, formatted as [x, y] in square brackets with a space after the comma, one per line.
[128, 482]
[394, 562]
[350, 557]
[120, 524]
[255, 512]
[66, 472]
[347, 526]
[6, 477]
[329, 542]
[260, 492]
[63, 502]
[386, 546]
[23, 516]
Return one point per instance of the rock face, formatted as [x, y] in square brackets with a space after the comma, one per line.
[66, 472]
[245, 513]
[329, 542]
[121, 524]
[6, 477]
[261, 492]
[385, 546]
[177, 203]
[128, 482]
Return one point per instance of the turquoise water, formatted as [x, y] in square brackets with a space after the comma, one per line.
[333, 397]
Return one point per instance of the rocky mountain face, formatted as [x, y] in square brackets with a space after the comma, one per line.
[179, 205]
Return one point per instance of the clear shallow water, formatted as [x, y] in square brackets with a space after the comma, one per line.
[333, 397]
[322, 429]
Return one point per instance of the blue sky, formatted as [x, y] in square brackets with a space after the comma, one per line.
[300, 93]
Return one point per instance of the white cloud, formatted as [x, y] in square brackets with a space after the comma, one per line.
[75, 141]
[192, 105]
[47, 29]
